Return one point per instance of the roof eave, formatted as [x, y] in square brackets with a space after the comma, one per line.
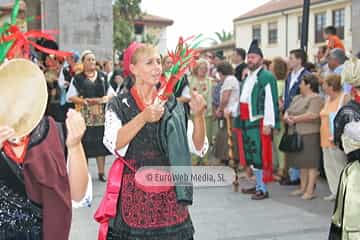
[274, 12]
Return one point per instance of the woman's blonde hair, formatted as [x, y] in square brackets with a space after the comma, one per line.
[334, 81]
[198, 64]
[163, 59]
[143, 50]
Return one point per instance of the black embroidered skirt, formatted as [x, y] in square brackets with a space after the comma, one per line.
[93, 142]
[149, 216]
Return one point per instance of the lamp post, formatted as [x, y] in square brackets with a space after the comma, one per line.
[305, 25]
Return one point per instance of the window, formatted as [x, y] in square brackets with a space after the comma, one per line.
[339, 22]
[299, 27]
[320, 22]
[273, 32]
[256, 32]
[139, 29]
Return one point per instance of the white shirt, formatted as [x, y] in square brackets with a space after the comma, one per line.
[87, 199]
[72, 92]
[269, 114]
[113, 124]
[294, 77]
[248, 86]
[233, 85]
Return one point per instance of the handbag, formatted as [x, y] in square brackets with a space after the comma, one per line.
[291, 142]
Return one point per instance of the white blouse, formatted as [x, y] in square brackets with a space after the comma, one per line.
[87, 199]
[72, 92]
[113, 124]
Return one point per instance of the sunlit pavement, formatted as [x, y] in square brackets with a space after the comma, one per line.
[221, 214]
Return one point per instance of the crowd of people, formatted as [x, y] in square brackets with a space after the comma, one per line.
[307, 96]
[283, 119]
[261, 101]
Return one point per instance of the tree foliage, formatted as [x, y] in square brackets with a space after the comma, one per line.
[223, 36]
[124, 12]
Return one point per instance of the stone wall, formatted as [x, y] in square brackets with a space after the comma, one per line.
[83, 24]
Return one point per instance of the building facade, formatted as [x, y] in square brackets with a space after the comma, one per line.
[356, 25]
[277, 25]
[153, 29]
[226, 47]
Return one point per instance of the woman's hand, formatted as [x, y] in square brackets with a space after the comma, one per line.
[291, 120]
[219, 113]
[93, 101]
[6, 133]
[76, 127]
[153, 113]
[227, 113]
[197, 104]
[266, 130]
[281, 105]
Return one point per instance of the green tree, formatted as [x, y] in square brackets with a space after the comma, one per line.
[223, 36]
[151, 39]
[124, 12]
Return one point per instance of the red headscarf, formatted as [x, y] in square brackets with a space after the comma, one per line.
[355, 95]
[129, 52]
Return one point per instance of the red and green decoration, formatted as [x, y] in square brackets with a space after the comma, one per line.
[13, 41]
[183, 58]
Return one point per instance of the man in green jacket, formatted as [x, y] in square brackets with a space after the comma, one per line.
[259, 114]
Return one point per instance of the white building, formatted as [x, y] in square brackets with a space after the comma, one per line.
[277, 25]
[151, 27]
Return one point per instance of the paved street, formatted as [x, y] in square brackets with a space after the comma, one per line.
[220, 214]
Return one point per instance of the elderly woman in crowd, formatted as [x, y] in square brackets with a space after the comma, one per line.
[303, 115]
[89, 91]
[334, 158]
[201, 83]
[229, 102]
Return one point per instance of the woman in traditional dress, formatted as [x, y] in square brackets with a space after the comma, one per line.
[90, 91]
[117, 81]
[144, 133]
[37, 184]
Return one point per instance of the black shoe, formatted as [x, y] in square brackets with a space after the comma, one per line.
[248, 190]
[288, 182]
[102, 177]
[260, 195]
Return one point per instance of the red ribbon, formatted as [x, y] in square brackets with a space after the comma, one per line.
[239, 136]
[266, 150]
[108, 206]
[355, 95]
[22, 42]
